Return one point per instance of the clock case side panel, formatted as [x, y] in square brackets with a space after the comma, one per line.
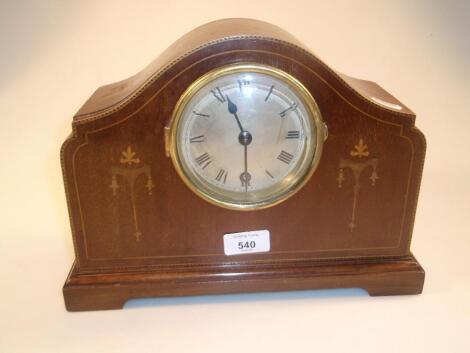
[66, 159]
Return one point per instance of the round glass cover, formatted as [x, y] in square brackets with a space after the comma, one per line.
[246, 136]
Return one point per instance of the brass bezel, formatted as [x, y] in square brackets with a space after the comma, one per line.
[297, 181]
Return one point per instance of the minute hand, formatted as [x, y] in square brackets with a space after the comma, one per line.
[232, 109]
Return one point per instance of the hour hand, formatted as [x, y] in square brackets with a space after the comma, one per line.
[232, 109]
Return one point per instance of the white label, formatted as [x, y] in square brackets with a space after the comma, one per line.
[247, 242]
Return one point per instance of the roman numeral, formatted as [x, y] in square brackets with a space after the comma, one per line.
[267, 172]
[269, 93]
[288, 109]
[217, 93]
[245, 179]
[200, 138]
[285, 157]
[293, 135]
[200, 114]
[222, 175]
[242, 83]
[203, 160]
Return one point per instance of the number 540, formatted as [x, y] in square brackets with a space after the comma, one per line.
[246, 245]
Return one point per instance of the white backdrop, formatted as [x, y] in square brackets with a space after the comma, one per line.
[54, 54]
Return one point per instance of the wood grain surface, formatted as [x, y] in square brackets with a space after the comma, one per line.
[139, 231]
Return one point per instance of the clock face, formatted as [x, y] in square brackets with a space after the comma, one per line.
[246, 136]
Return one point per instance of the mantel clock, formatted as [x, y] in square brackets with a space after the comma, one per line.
[239, 162]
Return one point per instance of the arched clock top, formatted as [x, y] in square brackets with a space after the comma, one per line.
[236, 36]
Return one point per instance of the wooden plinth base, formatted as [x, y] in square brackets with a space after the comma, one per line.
[111, 290]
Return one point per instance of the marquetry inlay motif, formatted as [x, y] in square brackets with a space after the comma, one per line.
[129, 170]
[357, 166]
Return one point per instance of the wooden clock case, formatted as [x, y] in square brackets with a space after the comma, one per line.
[138, 231]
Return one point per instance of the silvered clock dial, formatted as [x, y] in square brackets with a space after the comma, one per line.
[246, 136]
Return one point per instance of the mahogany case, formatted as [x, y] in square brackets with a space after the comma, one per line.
[138, 231]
